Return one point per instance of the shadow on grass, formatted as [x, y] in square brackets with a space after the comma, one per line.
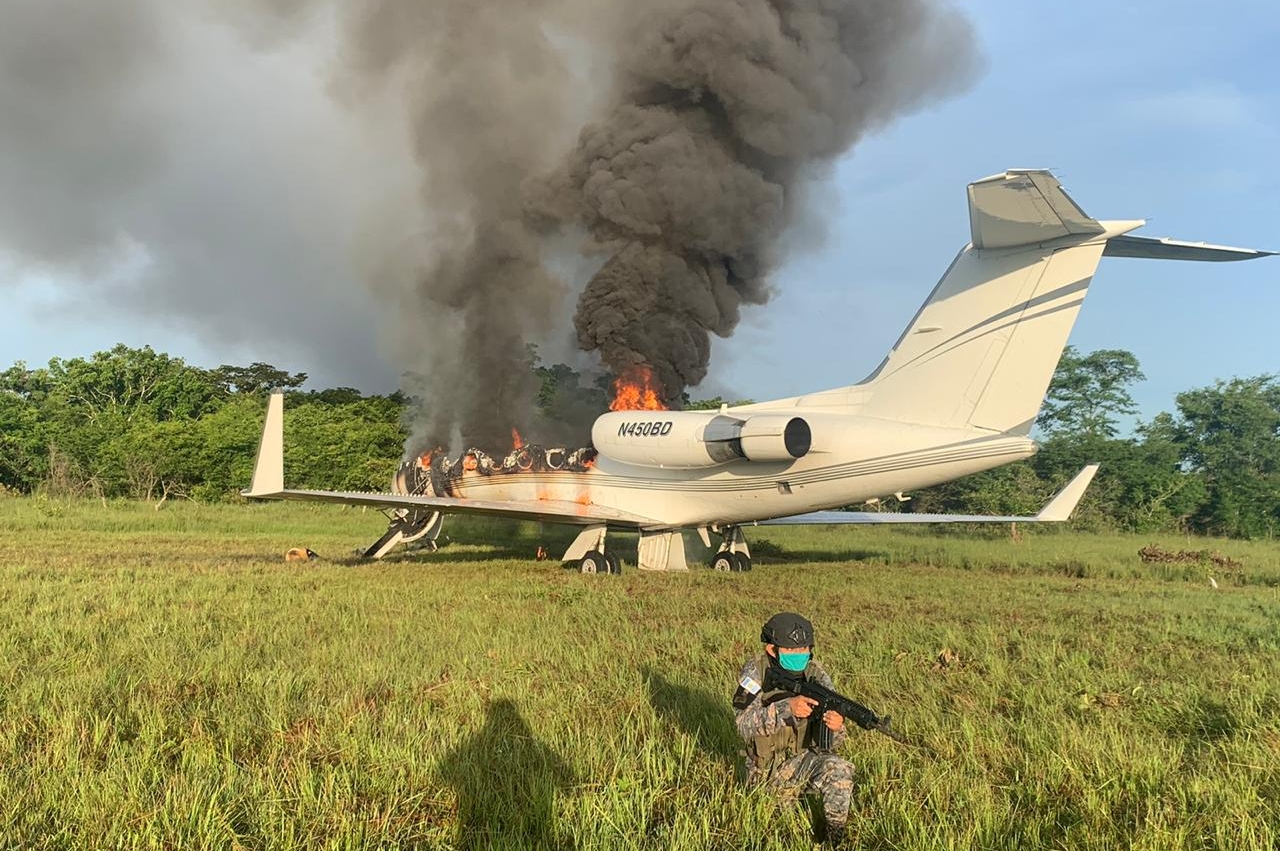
[1208, 722]
[469, 539]
[506, 782]
[767, 552]
[705, 717]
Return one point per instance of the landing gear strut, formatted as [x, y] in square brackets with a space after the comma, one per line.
[733, 556]
[405, 527]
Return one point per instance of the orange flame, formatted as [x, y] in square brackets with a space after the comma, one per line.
[636, 390]
[517, 442]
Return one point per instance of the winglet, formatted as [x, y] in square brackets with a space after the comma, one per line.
[1060, 507]
[268, 473]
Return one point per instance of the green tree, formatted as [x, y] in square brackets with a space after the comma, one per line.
[1230, 436]
[353, 446]
[713, 404]
[130, 382]
[1013, 489]
[255, 378]
[22, 442]
[1089, 393]
[1141, 485]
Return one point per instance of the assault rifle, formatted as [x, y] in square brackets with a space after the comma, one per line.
[829, 699]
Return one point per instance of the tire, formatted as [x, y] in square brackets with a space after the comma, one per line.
[742, 562]
[724, 562]
[615, 567]
[593, 562]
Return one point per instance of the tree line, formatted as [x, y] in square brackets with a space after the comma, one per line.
[1212, 466]
[140, 424]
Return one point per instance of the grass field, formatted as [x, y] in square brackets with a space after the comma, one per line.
[167, 681]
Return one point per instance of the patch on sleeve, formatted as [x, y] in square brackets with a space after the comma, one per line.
[749, 685]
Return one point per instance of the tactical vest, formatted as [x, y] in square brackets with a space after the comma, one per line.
[768, 752]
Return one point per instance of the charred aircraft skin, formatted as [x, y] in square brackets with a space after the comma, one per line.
[435, 474]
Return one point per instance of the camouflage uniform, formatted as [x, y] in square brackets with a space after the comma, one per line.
[779, 750]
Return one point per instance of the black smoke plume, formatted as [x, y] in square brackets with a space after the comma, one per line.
[251, 171]
[721, 111]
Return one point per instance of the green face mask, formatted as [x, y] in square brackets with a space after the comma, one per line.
[793, 660]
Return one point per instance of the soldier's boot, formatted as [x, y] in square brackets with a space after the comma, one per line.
[833, 836]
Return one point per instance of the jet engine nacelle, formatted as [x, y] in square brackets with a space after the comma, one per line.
[686, 440]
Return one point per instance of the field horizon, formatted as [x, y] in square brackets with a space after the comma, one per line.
[169, 681]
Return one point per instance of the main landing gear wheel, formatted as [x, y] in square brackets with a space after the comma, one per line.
[598, 562]
[727, 562]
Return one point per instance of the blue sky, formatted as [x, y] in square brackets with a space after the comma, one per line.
[1168, 111]
[1164, 111]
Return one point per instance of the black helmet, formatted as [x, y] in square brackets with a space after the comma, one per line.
[787, 629]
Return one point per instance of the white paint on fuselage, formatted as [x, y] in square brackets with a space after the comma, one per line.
[852, 459]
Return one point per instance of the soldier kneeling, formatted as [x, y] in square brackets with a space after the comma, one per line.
[787, 748]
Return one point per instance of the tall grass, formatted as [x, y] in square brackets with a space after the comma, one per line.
[167, 681]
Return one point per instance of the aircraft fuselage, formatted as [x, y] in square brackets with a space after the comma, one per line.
[851, 459]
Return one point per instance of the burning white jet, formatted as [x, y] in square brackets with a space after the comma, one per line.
[957, 394]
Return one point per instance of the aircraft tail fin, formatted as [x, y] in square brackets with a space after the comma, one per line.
[982, 350]
[268, 472]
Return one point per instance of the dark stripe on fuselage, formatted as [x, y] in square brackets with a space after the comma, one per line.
[769, 482]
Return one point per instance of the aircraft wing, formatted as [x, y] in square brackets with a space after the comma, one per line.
[268, 483]
[1058, 510]
[550, 511]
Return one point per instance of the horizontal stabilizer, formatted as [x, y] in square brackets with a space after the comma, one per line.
[1171, 249]
[1058, 510]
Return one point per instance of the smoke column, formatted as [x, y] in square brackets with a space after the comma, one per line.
[253, 171]
[180, 165]
[722, 110]
[488, 97]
